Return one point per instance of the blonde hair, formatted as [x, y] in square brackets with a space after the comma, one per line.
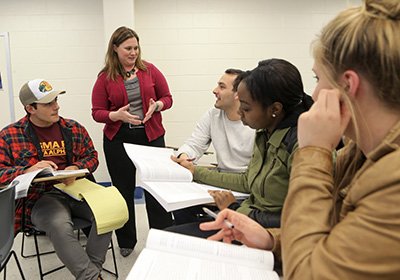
[113, 67]
[365, 39]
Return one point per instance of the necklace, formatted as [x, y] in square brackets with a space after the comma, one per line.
[130, 73]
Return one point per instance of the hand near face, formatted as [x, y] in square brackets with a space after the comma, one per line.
[222, 198]
[245, 230]
[185, 163]
[122, 114]
[324, 124]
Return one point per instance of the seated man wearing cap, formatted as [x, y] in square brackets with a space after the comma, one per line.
[44, 139]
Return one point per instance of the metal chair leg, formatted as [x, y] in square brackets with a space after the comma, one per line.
[38, 254]
[114, 261]
[18, 265]
[4, 266]
[34, 254]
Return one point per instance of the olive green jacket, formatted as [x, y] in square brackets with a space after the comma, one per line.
[266, 178]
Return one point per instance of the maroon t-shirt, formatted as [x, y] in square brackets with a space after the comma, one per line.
[52, 144]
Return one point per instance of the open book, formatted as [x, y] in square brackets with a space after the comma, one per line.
[23, 181]
[173, 256]
[169, 183]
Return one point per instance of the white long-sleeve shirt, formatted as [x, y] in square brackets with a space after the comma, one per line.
[233, 142]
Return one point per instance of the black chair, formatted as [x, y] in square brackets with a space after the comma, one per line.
[80, 225]
[7, 213]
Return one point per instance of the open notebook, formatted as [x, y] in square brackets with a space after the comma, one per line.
[169, 183]
[173, 256]
[23, 181]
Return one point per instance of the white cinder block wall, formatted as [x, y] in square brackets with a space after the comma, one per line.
[191, 41]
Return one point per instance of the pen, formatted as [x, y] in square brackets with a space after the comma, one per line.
[214, 215]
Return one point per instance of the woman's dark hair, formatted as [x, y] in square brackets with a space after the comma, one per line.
[239, 78]
[276, 80]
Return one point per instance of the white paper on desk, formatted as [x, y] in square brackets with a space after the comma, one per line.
[172, 256]
[170, 183]
[65, 172]
[177, 195]
[23, 182]
[155, 164]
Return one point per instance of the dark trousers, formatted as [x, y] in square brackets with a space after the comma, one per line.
[193, 214]
[187, 220]
[123, 173]
[53, 214]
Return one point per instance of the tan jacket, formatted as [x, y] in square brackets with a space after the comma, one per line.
[345, 226]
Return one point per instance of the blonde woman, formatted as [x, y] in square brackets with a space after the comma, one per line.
[343, 221]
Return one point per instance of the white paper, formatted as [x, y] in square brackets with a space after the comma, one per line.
[178, 195]
[23, 181]
[174, 256]
[170, 183]
[155, 164]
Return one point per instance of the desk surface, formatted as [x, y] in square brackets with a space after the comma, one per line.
[56, 178]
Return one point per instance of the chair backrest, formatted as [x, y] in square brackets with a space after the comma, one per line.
[7, 208]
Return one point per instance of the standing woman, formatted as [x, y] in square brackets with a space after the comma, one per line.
[128, 96]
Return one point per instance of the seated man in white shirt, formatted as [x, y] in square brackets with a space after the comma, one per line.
[222, 126]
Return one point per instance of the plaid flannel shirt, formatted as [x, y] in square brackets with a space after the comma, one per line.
[19, 150]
